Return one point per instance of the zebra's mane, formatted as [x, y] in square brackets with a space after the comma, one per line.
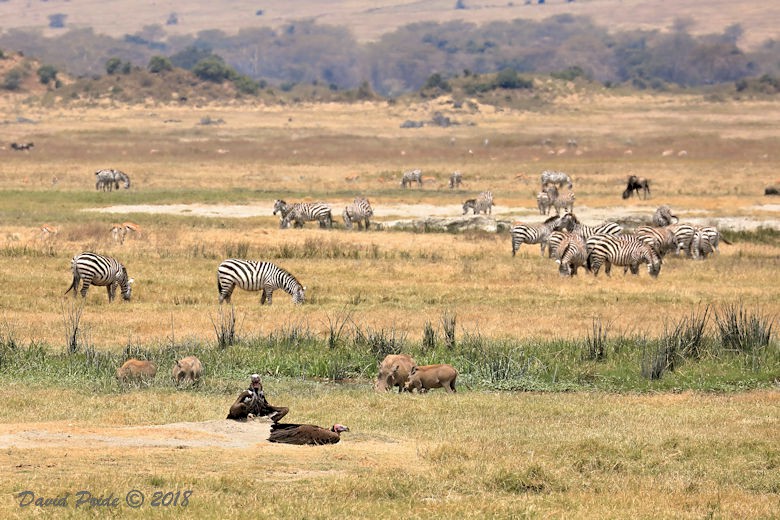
[552, 219]
[572, 216]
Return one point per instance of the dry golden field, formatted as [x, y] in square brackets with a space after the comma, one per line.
[477, 454]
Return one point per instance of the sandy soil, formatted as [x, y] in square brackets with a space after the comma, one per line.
[417, 211]
[220, 433]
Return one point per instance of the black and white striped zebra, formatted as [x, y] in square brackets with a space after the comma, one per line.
[545, 198]
[302, 212]
[281, 207]
[622, 250]
[411, 176]
[532, 234]
[571, 223]
[705, 241]
[554, 241]
[482, 204]
[564, 202]
[456, 179]
[109, 179]
[661, 239]
[683, 236]
[359, 211]
[256, 276]
[558, 178]
[663, 217]
[94, 269]
[571, 254]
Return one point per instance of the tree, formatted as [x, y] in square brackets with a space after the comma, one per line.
[213, 69]
[159, 64]
[112, 66]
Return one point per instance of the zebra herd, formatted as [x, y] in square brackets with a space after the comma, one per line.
[94, 269]
[576, 245]
[360, 212]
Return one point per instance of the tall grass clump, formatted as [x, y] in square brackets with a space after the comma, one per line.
[71, 317]
[336, 326]
[657, 360]
[429, 337]
[688, 334]
[596, 343]
[381, 342]
[237, 250]
[744, 332]
[225, 327]
[448, 326]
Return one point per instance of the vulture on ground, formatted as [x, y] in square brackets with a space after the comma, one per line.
[305, 434]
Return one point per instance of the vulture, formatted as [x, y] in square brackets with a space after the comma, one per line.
[306, 434]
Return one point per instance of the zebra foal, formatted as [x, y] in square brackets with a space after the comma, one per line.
[95, 269]
[256, 276]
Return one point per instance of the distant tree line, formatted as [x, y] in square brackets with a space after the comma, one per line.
[406, 59]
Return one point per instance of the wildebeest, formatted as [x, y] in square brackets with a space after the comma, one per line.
[187, 369]
[635, 184]
[394, 370]
[425, 377]
[135, 369]
[771, 190]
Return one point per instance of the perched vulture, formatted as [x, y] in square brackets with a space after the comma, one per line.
[305, 434]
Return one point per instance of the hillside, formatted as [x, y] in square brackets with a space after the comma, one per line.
[369, 20]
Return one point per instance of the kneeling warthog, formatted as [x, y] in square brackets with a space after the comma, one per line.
[394, 371]
[187, 369]
[432, 376]
[135, 369]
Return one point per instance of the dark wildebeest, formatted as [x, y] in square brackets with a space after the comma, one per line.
[635, 184]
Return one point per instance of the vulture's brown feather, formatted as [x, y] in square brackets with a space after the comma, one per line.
[305, 434]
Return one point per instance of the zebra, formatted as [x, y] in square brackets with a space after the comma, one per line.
[411, 176]
[564, 202]
[553, 177]
[95, 269]
[483, 203]
[570, 222]
[663, 217]
[109, 179]
[455, 180]
[661, 239]
[634, 185]
[532, 234]
[705, 241]
[571, 254]
[624, 250]
[683, 236]
[256, 276]
[302, 212]
[545, 198]
[359, 211]
[22, 147]
[283, 209]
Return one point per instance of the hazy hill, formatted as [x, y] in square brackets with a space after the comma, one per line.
[370, 19]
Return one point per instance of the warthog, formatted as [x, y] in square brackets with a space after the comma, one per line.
[135, 369]
[425, 377]
[187, 369]
[394, 371]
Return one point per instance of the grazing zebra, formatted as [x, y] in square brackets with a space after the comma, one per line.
[554, 242]
[94, 269]
[661, 239]
[482, 204]
[532, 234]
[623, 250]
[564, 202]
[553, 177]
[109, 179]
[359, 211]
[705, 241]
[571, 223]
[634, 185]
[302, 212]
[411, 176]
[663, 217]
[683, 235]
[455, 180]
[571, 254]
[256, 276]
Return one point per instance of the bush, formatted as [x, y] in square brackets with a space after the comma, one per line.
[509, 79]
[13, 79]
[214, 68]
[47, 74]
[112, 66]
[159, 64]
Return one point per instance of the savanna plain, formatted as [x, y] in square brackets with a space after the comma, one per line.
[584, 397]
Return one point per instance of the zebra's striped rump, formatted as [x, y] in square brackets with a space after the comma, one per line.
[256, 276]
[532, 234]
[623, 250]
[95, 269]
[571, 254]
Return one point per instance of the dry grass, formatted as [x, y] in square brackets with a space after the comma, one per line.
[579, 455]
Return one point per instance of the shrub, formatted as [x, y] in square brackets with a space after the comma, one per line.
[213, 68]
[47, 74]
[112, 66]
[159, 64]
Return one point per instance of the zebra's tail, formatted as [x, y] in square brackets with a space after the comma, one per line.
[588, 263]
[725, 241]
